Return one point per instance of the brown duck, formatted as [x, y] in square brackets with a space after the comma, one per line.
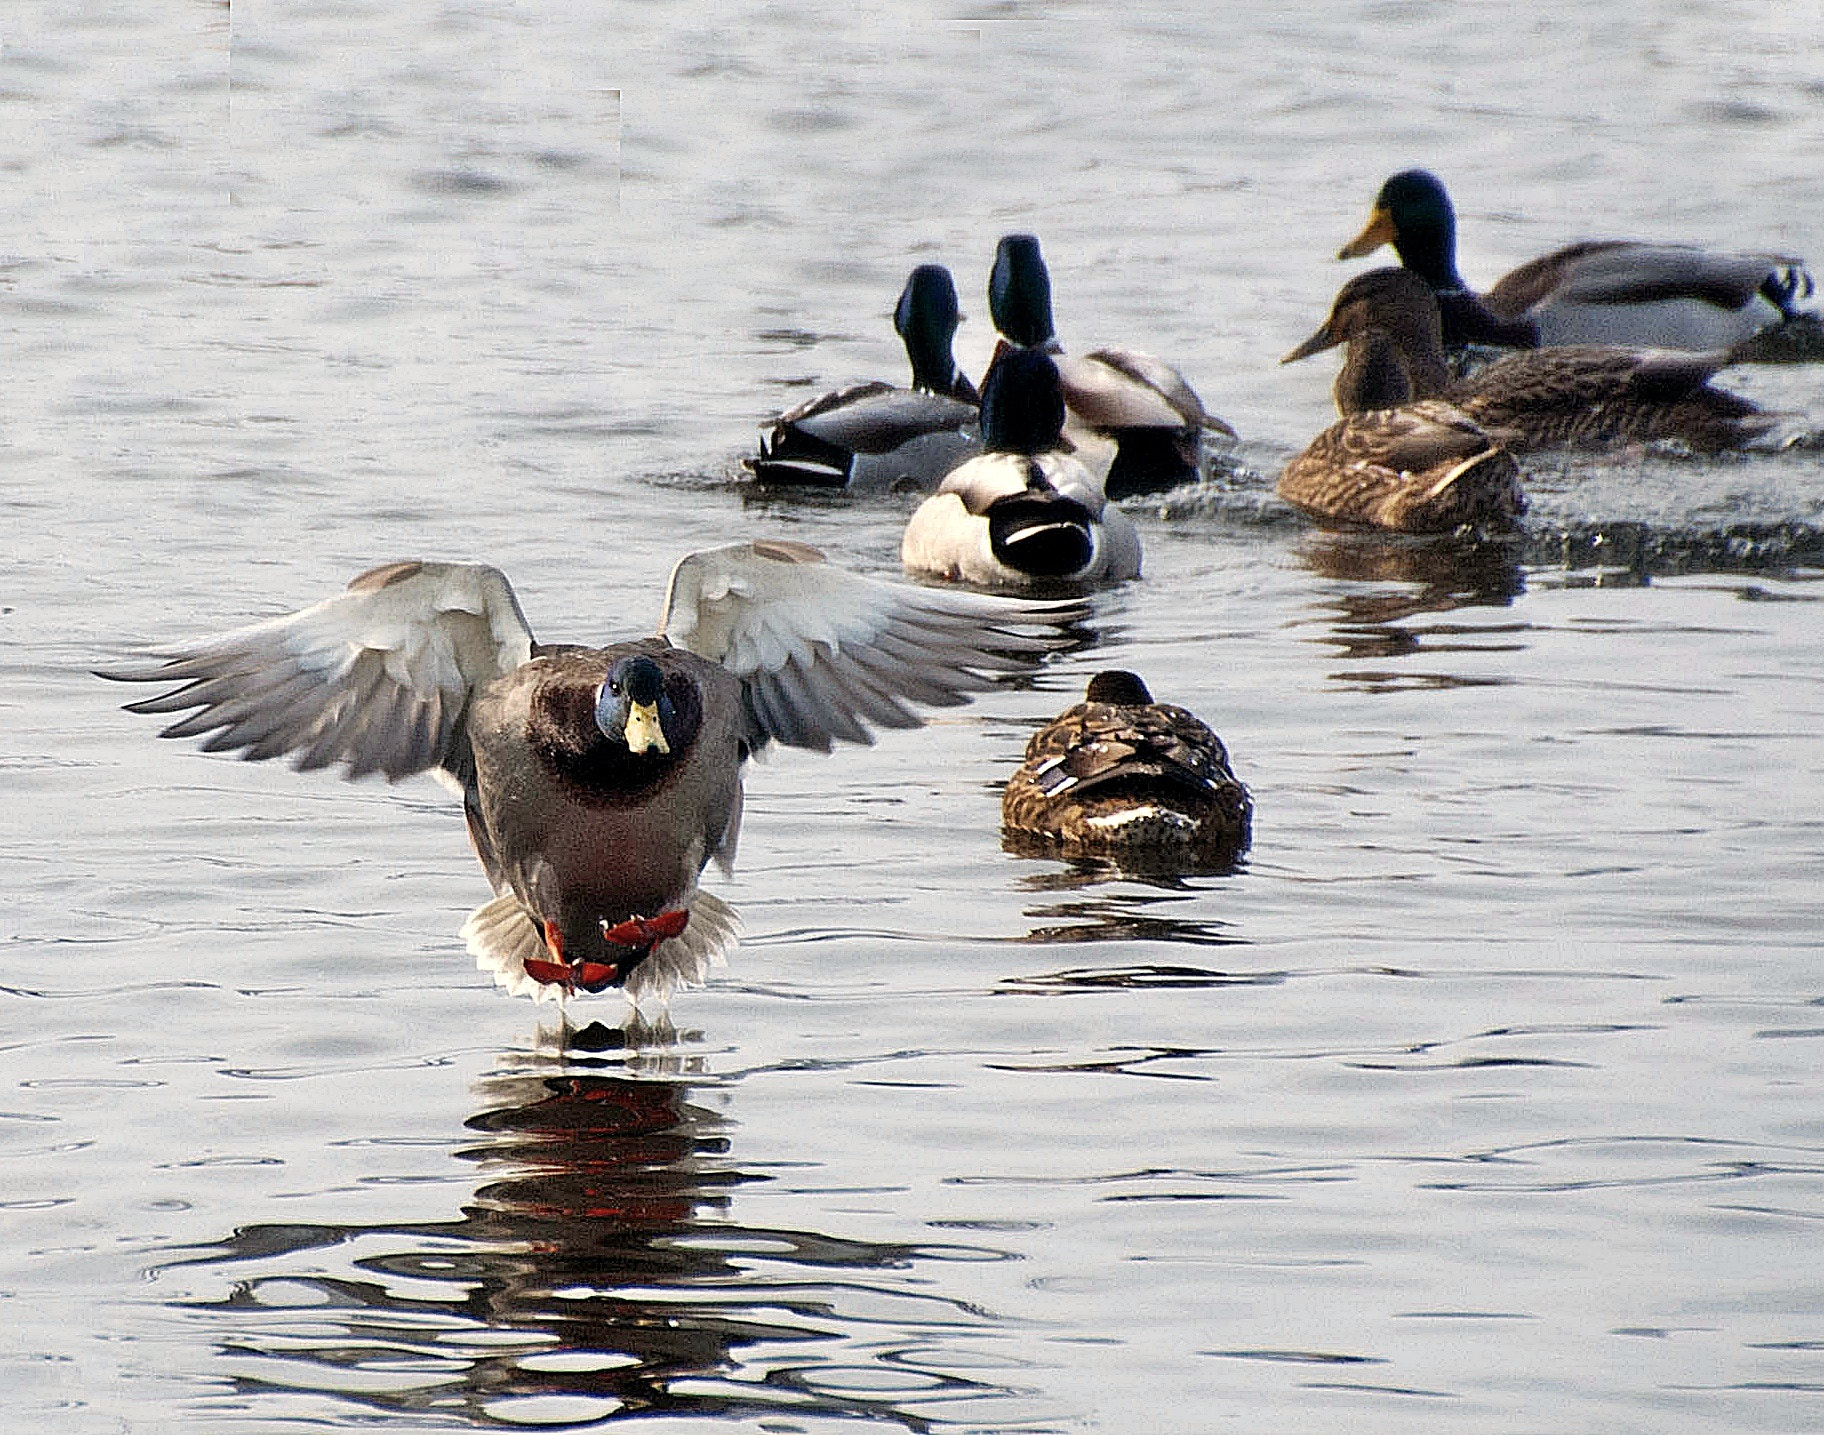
[1588, 395]
[1123, 777]
[1395, 461]
[597, 782]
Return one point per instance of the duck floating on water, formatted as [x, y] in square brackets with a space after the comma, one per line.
[874, 436]
[1580, 395]
[1023, 514]
[1121, 776]
[597, 782]
[1604, 291]
[1141, 409]
[1393, 460]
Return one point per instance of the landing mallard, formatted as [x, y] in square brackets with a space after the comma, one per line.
[597, 782]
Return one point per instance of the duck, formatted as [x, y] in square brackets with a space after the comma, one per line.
[1604, 291]
[1123, 777]
[874, 435]
[1023, 514]
[1393, 460]
[1580, 395]
[1139, 412]
[1419, 467]
[598, 782]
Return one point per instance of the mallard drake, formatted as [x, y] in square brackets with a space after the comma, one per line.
[1140, 408]
[1604, 291]
[1124, 777]
[873, 435]
[597, 782]
[1023, 513]
[1586, 395]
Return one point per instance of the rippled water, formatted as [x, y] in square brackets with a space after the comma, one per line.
[1485, 1096]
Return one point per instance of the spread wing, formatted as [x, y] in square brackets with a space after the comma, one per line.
[377, 678]
[824, 654]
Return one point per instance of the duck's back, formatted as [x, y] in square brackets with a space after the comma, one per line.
[1136, 780]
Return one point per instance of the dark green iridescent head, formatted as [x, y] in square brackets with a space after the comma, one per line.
[1019, 292]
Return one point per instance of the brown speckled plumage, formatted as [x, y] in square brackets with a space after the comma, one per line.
[1578, 395]
[1124, 777]
[1424, 467]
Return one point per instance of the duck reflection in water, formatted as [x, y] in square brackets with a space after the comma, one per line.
[594, 1274]
[1400, 578]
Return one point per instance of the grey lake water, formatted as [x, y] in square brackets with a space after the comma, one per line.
[1487, 1094]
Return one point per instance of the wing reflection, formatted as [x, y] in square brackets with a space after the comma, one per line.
[595, 1273]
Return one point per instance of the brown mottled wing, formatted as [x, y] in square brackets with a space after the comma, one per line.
[378, 678]
[1593, 394]
[1096, 745]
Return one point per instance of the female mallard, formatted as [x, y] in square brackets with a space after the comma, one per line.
[1124, 777]
[1023, 514]
[876, 436]
[1143, 410]
[1584, 395]
[598, 782]
[1605, 291]
[1393, 461]
[1423, 467]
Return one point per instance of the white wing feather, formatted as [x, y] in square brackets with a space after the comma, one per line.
[825, 654]
[377, 678]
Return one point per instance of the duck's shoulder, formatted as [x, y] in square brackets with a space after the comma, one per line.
[1413, 438]
[1094, 739]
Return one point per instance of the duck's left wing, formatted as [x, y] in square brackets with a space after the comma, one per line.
[377, 678]
[824, 654]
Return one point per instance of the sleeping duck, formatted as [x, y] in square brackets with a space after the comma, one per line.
[1582, 395]
[1137, 408]
[1597, 292]
[1121, 776]
[597, 782]
[876, 436]
[1023, 514]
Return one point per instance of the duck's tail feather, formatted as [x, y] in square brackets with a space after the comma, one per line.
[501, 935]
[686, 959]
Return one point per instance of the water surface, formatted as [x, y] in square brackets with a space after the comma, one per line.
[1484, 1095]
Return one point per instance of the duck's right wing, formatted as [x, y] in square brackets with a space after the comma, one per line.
[378, 678]
[824, 654]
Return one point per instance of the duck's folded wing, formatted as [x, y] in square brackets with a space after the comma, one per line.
[824, 654]
[377, 678]
[1119, 388]
[1627, 272]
